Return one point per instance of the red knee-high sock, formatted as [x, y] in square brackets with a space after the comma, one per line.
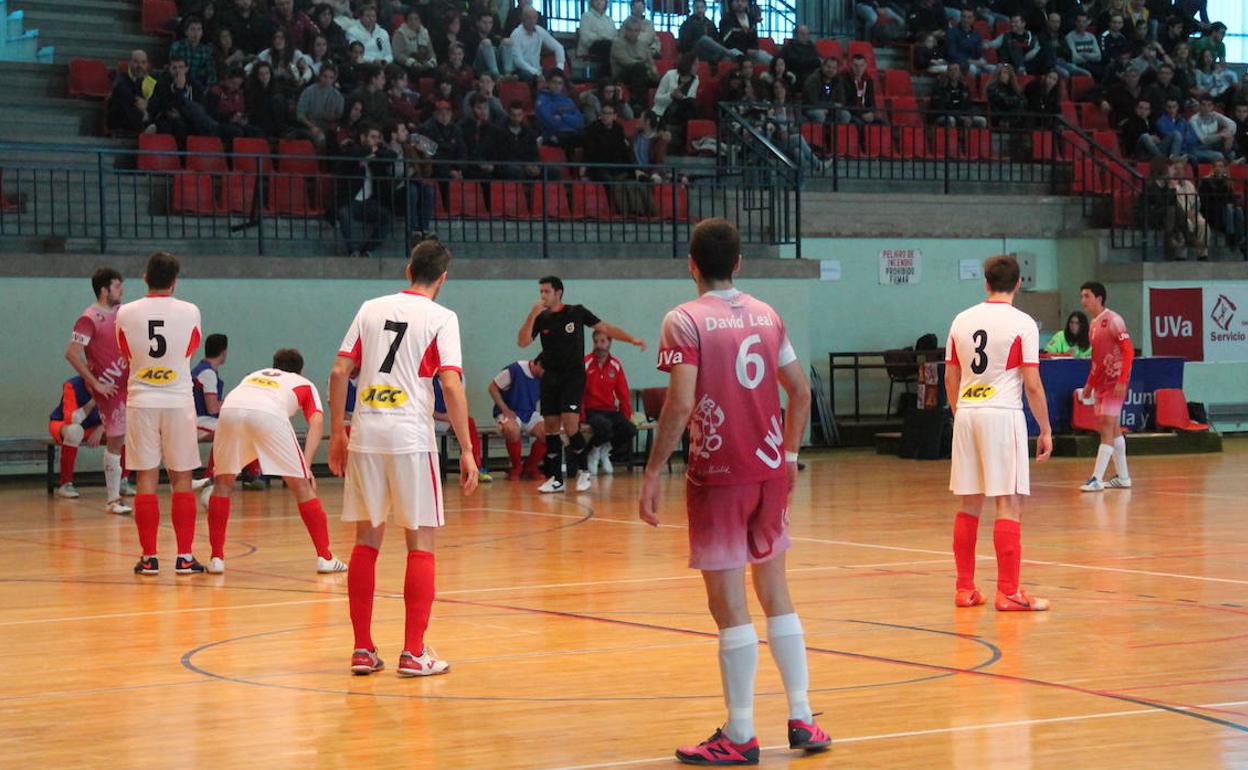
[146, 521]
[514, 451]
[418, 597]
[184, 520]
[218, 517]
[965, 533]
[537, 453]
[1005, 536]
[69, 456]
[476, 440]
[313, 515]
[361, 583]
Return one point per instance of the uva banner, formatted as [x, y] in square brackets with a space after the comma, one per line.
[1207, 323]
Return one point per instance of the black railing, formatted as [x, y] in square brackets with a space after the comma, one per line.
[762, 165]
[274, 203]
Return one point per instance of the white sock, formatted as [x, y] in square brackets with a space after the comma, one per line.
[112, 475]
[1103, 453]
[1120, 458]
[788, 649]
[738, 662]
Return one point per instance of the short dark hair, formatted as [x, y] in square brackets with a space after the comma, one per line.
[161, 271]
[215, 345]
[858, 56]
[554, 281]
[1001, 273]
[364, 127]
[477, 99]
[516, 104]
[715, 247]
[394, 73]
[288, 360]
[328, 66]
[174, 59]
[1097, 288]
[235, 72]
[103, 279]
[430, 259]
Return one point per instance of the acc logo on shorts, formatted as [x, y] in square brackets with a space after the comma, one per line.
[263, 382]
[978, 393]
[383, 397]
[157, 375]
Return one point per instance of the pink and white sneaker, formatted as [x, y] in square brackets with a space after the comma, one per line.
[719, 750]
[425, 664]
[808, 736]
[365, 662]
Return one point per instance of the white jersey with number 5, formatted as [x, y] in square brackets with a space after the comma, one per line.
[159, 334]
[990, 342]
[399, 343]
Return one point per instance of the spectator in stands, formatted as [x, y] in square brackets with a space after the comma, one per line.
[784, 126]
[446, 89]
[372, 36]
[778, 70]
[871, 13]
[607, 406]
[320, 55]
[1212, 41]
[372, 92]
[267, 108]
[455, 69]
[1241, 130]
[964, 45]
[418, 195]
[1113, 39]
[479, 135]
[451, 151]
[449, 34]
[403, 104]
[738, 28]
[1044, 99]
[1005, 107]
[250, 28]
[856, 91]
[929, 55]
[645, 28]
[127, 103]
[226, 54]
[1150, 59]
[353, 74]
[1195, 226]
[299, 28]
[557, 115]
[1184, 68]
[320, 106]
[485, 46]
[606, 93]
[1082, 49]
[323, 17]
[675, 100]
[1138, 16]
[605, 143]
[227, 104]
[484, 86]
[1138, 138]
[951, 101]
[515, 17]
[650, 145]
[595, 33]
[366, 179]
[631, 60]
[699, 35]
[527, 42]
[292, 69]
[1173, 33]
[411, 45]
[1157, 208]
[1164, 89]
[515, 153]
[349, 127]
[1073, 340]
[1052, 46]
[175, 106]
[1120, 98]
[1214, 131]
[1018, 47]
[1213, 79]
[1220, 205]
[1173, 123]
[1193, 13]
[927, 17]
[201, 59]
[1036, 15]
[800, 54]
[820, 94]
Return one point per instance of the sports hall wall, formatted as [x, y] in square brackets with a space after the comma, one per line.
[855, 312]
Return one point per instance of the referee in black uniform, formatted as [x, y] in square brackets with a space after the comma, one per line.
[562, 331]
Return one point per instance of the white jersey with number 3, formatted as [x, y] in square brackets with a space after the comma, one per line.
[399, 344]
[159, 334]
[990, 342]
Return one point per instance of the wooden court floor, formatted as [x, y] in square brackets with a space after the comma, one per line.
[578, 638]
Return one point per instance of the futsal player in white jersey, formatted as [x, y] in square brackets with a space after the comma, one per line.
[159, 334]
[254, 425]
[399, 343]
[992, 358]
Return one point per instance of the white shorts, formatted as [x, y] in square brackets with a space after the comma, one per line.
[990, 455]
[207, 425]
[526, 428]
[153, 433]
[404, 488]
[244, 435]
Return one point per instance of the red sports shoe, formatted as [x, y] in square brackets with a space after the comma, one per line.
[1020, 602]
[365, 662]
[808, 736]
[969, 598]
[718, 750]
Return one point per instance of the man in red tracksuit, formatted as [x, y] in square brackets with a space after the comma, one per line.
[608, 406]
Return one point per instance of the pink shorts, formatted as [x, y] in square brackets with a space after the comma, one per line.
[1109, 405]
[736, 524]
[113, 415]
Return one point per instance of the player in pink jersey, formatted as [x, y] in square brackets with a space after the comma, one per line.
[94, 355]
[726, 352]
[992, 359]
[1112, 356]
[158, 334]
[254, 425]
[399, 343]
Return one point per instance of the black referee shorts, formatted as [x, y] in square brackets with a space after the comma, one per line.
[562, 392]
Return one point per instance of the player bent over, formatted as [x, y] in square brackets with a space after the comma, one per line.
[992, 359]
[725, 352]
[73, 422]
[254, 425]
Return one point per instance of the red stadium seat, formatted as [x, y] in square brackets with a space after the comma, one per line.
[1108, 141]
[667, 45]
[555, 202]
[194, 194]
[898, 83]
[816, 135]
[1070, 113]
[631, 127]
[1172, 411]
[912, 142]
[768, 45]
[945, 143]
[589, 201]
[698, 129]
[1082, 416]
[516, 91]
[466, 200]
[904, 110]
[828, 49]
[1091, 118]
[89, 77]
[7, 203]
[979, 144]
[845, 141]
[509, 200]
[1124, 206]
[1042, 146]
[206, 154]
[878, 141]
[1080, 85]
[251, 161]
[288, 196]
[156, 14]
[672, 206]
[156, 153]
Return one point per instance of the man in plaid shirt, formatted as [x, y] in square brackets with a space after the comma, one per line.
[200, 62]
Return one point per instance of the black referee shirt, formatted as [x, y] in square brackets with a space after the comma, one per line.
[563, 336]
